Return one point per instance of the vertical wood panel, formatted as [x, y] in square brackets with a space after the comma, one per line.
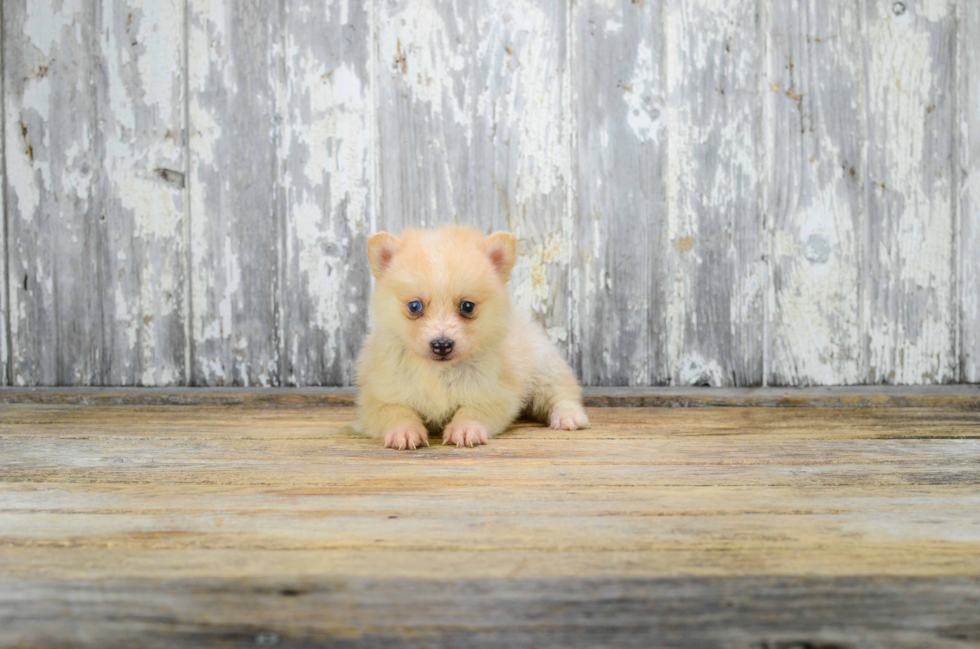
[53, 207]
[815, 191]
[4, 304]
[92, 131]
[969, 187]
[911, 322]
[141, 133]
[474, 130]
[619, 276]
[235, 225]
[326, 192]
[717, 242]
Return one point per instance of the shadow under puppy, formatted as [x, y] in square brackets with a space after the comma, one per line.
[447, 352]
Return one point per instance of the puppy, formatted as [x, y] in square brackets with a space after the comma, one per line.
[447, 352]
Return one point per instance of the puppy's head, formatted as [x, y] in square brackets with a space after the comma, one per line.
[442, 293]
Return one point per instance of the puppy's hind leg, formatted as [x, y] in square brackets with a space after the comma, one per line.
[559, 403]
[568, 415]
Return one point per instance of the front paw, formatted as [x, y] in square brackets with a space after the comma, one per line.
[409, 435]
[465, 433]
[567, 415]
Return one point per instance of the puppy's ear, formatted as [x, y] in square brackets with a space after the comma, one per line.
[501, 248]
[381, 248]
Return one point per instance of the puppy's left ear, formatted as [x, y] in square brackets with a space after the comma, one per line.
[501, 248]
[381, 248]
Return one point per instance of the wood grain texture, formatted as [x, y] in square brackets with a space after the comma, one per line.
[93, 124]
[715, 306]
[327, 158]
[968, 180]
[910, 50]
[619, 269]
[474, 130]
[4, 302]
[815, 192]
[142, 154]
[210, 525]
[234, 59]
[51, 141]
[782, 613]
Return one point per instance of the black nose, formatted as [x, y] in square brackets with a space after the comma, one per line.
[441, 346]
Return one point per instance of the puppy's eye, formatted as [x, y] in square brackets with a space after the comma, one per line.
[466, 308]
[415, 307]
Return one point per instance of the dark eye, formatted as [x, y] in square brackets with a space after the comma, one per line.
[415, 307]
[466, 308]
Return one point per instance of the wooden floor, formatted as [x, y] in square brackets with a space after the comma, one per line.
[762, 528]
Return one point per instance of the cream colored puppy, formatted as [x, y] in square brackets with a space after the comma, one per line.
[446, 352]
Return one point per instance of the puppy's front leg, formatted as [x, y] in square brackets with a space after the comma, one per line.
[472, 426]
[400, 426]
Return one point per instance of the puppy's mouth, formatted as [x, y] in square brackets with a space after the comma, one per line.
[443, 359]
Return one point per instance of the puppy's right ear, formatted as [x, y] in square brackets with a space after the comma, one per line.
[381, 248]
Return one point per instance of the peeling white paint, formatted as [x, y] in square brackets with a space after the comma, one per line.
[417, 47]
[917, 231]
[640, 96]
[46, 21]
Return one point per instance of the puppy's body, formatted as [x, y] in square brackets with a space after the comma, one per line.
[498, 364]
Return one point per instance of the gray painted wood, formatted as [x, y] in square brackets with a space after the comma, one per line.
[684, 195]
[326, 195]
[142, 153]
[910, 50]
[715, 306]
[94, 120]
[968, 186]
[51, 140]
[723, 612]
[474, 130]
[815, 208]
[234, 59]
[619, 261]
[4, 304]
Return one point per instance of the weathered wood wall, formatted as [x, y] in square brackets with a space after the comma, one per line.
[723, 192]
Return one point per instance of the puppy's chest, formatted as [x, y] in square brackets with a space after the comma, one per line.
[437, 396]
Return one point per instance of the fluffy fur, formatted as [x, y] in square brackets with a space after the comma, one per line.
[501, 364]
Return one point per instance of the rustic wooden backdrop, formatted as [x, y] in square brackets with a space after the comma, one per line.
[724, 192]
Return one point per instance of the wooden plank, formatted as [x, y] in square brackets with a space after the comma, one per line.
[937, 396]
[853, 492]
[315, 449]
[216, 526]
[815, 192]
[95, 212]
[716, 306]
[619, 274]
[235, 218]
[327, 188]
[4, 302]
[143, 155]
[763, 612]
[54, 207]
[330, 422]
[968, 41]
[909, 262]
[474, 125]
